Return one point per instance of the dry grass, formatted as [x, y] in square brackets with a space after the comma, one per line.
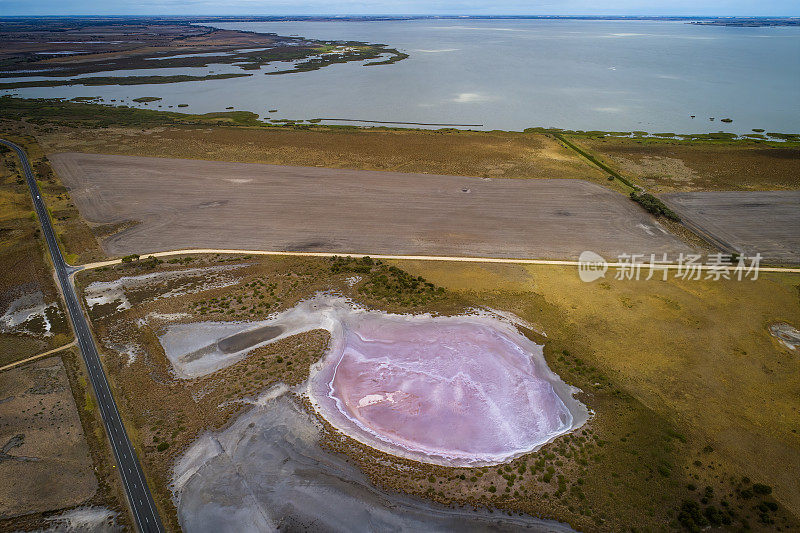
[38, 413]
[48, 402]
[689, 388]
[484, 154]
[162, 411]
[677, 401]
[76, 239]
[697, 354]
[667, 166]
[24, 268]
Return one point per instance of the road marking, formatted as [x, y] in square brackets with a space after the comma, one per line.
[106, 404]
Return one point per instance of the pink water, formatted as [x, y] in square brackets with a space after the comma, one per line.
[454, 392]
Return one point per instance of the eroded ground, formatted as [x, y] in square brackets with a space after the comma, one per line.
[459, 390]
[57, 470]
[187, 203]
[267, 471]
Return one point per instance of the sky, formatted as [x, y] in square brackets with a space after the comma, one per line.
[403, 7]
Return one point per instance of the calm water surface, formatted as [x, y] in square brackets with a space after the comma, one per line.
[514, 74]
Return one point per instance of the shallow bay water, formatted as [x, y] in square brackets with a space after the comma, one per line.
[513, 74]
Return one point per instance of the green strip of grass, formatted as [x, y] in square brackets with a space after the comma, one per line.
[118, 80]
[55, 111]
[596, 161]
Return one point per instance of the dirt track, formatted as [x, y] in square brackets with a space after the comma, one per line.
[765, 222]
[190, 203]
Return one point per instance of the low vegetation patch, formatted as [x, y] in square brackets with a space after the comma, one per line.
[654, 206]
[389, 283]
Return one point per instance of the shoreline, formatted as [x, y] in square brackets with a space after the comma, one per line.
[319, 389]
[122, 115]
[399, 122]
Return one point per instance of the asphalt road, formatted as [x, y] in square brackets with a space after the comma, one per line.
[139, 497]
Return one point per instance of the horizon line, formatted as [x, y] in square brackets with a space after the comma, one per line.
[397, 15]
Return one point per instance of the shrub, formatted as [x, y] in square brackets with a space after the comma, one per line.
[654, 206]
[713, 515]
[760, 488]
[690, 516]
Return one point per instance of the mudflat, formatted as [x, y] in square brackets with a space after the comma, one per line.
[183, 203]
[765, 222]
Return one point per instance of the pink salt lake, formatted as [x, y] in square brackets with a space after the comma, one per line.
[455, 391]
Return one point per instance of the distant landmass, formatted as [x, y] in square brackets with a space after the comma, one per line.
[709, 21]
[749, 22]
[704, 21]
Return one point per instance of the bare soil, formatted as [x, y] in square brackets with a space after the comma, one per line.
[24, 269]
[648, 450]
[753, 222]
[44, 459]
[187, 203]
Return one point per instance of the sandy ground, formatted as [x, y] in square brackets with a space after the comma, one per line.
[267, 472]
[765, 222]
[189, 203]
[85, 520]
[44, 459]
